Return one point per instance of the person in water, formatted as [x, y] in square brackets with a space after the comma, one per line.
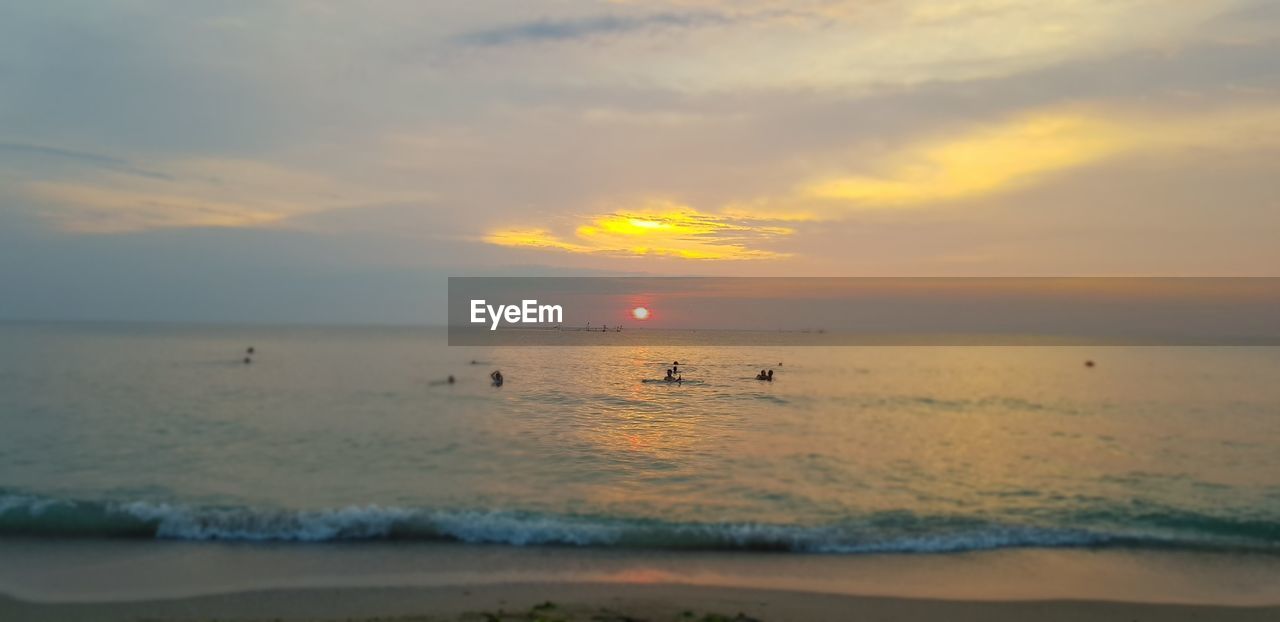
[672, 377]
[770, 375]
[450, 380]
[762, 375]
[496, 377]
[675, 367]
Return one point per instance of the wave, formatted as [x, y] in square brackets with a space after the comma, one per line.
[885, 532]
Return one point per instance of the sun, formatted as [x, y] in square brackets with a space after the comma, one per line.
[640, 313]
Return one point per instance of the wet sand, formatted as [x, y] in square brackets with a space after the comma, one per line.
[606, 602]
[107, 580]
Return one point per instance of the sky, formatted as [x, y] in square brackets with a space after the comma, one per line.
[336, 161]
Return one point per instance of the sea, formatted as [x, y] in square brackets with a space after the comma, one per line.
[119, 431]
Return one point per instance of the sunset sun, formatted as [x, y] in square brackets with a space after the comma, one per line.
[640, 313]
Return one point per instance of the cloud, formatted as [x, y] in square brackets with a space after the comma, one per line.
[657, 117]
[196, 192]
[82, 157]
[566, 30]
[760, 114]
[855, 46]
[82, 208]
[1034, 146]
[981, 161]
[662, 228]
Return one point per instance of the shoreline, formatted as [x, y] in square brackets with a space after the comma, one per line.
[572, 601]
[43, 580]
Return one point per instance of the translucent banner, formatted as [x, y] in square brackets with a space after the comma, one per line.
[627, 311]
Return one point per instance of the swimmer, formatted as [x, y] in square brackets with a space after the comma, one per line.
[450, 380]
[762, 375]
[770, 377]
[496, 377]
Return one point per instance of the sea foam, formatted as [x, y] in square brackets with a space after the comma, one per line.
[35, 515]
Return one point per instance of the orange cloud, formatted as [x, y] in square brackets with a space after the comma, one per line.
[982, 161]
[660, 229]
[1029, 148]
[201, 192]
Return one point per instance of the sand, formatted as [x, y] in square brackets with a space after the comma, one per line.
[603, 603]
[83, 580]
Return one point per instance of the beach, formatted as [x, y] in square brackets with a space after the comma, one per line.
[101, 580]
[606, 603]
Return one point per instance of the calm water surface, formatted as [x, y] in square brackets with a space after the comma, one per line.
[347, 433]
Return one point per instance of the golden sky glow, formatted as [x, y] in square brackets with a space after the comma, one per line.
[825, 137]
[103, 210]
[862, 45]
[660, 229]
[988, 160]
[955, 164]
[202, 192]
[1034, 146]
[958, 164]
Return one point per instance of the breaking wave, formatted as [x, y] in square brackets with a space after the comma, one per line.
[886, 532]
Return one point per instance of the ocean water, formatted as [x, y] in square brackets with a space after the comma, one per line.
[160, 432]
